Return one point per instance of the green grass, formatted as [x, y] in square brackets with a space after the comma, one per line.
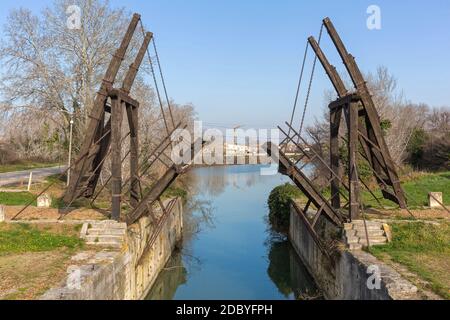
[25, 165]
[417, 190]
[23, 198]
[16, 198]
[20, 238]
[173, 192]
[424, 249]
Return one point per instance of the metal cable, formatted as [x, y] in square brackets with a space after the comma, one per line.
[163, 82]
[310, 84]
[298, 87]
[155, 81]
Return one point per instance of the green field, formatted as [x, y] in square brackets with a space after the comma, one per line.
[416, 190]
[20, 238]
[424, 249]
[16, 198]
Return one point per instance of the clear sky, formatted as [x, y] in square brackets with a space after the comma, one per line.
[238, 61]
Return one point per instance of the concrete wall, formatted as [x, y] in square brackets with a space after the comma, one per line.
[128, 273]
[344, 276]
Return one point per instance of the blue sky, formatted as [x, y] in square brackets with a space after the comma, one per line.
[238, 61]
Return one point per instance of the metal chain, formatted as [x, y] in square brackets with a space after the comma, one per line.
[155, 81]
[310, 84]
[163, 82]
[298, 89]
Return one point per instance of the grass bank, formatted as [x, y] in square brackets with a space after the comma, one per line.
[424, 249]
[16, 198]
[34, 258]
[22, 237]
[416, 190]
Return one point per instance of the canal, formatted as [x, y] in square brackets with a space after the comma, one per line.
[229, 250]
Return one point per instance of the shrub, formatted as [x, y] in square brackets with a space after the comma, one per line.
[279, 206]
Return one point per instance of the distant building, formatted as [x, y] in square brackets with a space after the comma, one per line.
[239, 150]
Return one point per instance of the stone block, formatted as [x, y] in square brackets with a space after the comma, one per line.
[44, 201]
[434, 198]
[388, 231]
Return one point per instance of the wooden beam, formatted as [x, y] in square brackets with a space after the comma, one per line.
[335, 122]
[134, 68]
[116, 157]
[133, 121]
[335, 79]
[153, 194]
[353, 160]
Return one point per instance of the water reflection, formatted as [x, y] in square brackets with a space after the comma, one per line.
[288, 272]
[228, 251]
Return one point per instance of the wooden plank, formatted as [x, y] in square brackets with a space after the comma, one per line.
[353, 160]
[335, 79]
[99, 160]
[153, 194]
[311, 230]
[116, 157]
[134, 68]
[133, 121]
[335, 122]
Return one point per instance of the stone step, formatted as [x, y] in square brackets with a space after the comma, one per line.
[104, 238]
[106, 244]
[112, 232]
[102, 226]
[363, 240]
[367, 222]
[373, 240]
[362, 234]
[372, 233]
[355, 246]
[352, 239]
[109, 224]
[359, 227]
[369, 229]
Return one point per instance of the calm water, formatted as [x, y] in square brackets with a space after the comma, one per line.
[233, 254]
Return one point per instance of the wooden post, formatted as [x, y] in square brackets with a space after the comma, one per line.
[133, 120]
[353, 159]
[335, 121]
[30, 179]
[116, 156]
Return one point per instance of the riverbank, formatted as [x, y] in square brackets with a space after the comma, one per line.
[34, 257]
[343, 274]
[420, 251]
[127, 270]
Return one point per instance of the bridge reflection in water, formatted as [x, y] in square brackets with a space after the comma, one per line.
[229, 251]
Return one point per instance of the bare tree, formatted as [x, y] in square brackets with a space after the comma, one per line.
[51, 74]
[399, 118]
